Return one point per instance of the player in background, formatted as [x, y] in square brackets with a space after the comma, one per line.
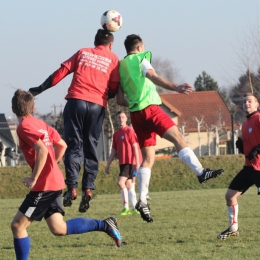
[43, 148]
[125, 145]
[138, 82]
[249, 145]
[95, 79]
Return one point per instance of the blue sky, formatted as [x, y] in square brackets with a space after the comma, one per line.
[196, 35]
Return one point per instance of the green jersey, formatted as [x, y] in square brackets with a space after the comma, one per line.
[140, 91]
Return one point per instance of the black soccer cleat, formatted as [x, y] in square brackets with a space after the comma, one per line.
[144, 211]
[208, 174]
[69, 196]
[85, 201]
[227, 233]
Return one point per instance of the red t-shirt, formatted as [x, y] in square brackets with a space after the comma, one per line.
[251, 138]
[95, 70]
[29, 131]
[123, 140]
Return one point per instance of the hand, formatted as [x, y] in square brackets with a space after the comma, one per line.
[29, 182]
[239, 145]
[35, 91]
[107, 170]
[253, 153]
[185, 88]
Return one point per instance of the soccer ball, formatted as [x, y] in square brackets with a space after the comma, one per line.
[111, 20]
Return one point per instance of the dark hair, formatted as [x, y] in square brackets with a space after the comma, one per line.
[103, 37]
[120, 112]
[22, 103]
[131, 42]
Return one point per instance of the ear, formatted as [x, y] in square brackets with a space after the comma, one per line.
[110, 46]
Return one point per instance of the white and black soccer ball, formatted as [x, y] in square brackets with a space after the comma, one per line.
[111, 20]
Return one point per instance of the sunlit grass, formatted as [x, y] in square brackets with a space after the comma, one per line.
[186, 224]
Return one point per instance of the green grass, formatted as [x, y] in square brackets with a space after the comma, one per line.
[185, 226]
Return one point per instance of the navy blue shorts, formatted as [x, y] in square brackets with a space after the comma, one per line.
[39, 204]
[247, 177]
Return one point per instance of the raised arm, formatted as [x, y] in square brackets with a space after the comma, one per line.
[51, 81]
[161, 82]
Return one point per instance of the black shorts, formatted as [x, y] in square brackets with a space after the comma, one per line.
[39, 204]
[247, 177]
[127, 170]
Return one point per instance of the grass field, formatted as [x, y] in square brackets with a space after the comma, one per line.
[185, 226]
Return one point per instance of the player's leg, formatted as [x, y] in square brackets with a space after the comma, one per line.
[121, 182]
[21, 239]
[173, 135]
[58, 227]
[73, 115]
[132, 195]
[93, 121]
[232, 212]
[238, 186]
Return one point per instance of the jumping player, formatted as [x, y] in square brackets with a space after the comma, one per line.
[95, 79]
[249, 145]
[126, 147]
[43, 148]
[138, 82]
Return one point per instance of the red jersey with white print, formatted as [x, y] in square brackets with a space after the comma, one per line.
[251, 138]
[123, 140]
[29, 131]
[94, 70]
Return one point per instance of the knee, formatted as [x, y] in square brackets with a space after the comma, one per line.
[229, 199]
[57, 233]
[15, 227]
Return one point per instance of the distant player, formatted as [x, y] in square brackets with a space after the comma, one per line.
[249, 145]
[138, 82]
[126, 147]
[43, 147]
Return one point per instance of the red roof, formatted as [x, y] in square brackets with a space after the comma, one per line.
[207, 104]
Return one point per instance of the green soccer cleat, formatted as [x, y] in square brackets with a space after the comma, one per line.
[125, 212]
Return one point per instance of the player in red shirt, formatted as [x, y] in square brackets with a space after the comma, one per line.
[95, 79]
[249, 145]
[43, 148]
[125, 145]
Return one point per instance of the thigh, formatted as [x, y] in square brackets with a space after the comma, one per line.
[242, 181]
[93, 121]
[37, 204]
[145, 135]
[126, 170]
[73, 115]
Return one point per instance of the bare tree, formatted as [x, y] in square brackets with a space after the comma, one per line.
[199, 123]
[165, 69]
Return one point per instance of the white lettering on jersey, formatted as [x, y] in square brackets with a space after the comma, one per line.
[95, 61]
[46, 138]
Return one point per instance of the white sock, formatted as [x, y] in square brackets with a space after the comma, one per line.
[189, 157]
[232, 212]
[144, 175]
[132, 197]
[124, 195]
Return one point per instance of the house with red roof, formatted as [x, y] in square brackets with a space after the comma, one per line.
[204, 120]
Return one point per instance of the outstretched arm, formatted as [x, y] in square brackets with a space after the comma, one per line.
[52, 80]
[161, 82]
